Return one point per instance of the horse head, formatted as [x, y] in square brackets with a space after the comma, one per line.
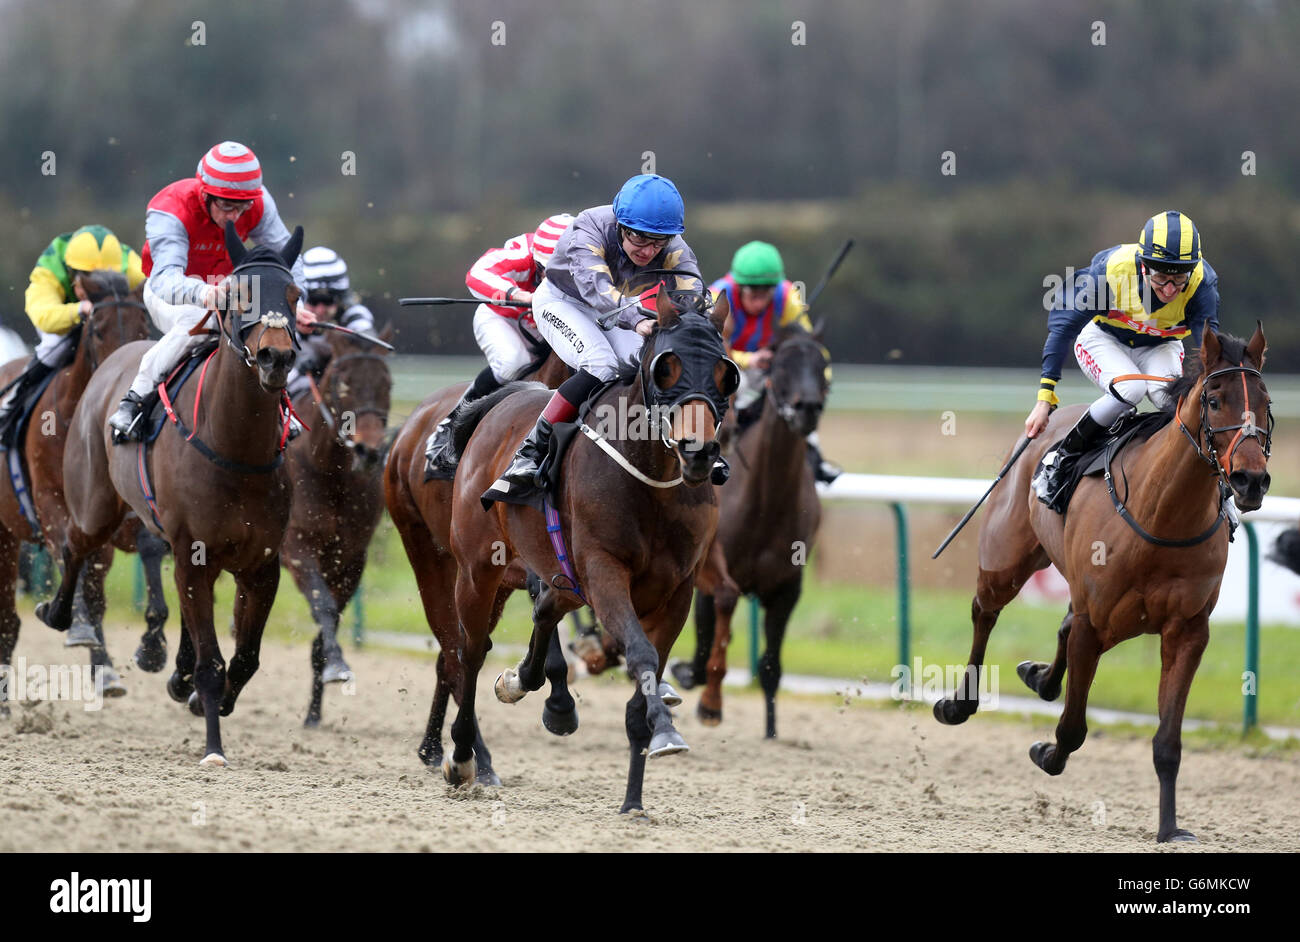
[117, 315]
[798, 379]
[1222, 395]
[357, 389]
[688, 379]
[261, 294]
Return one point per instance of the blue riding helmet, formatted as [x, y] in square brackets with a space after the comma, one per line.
[650, 203]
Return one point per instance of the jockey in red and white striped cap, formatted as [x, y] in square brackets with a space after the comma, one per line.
[511, 272]
[186, 261]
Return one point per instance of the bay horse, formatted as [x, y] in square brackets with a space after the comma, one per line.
[421, 511]
[117, 317]
[338, 493]
[220, 489]
[1153, 568]
[636, 537]
[768, 521]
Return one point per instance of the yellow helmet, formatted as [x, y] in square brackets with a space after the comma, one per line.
[93, 247]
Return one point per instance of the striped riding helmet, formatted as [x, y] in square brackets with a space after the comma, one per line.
[1170, 243]
[324, 270]
[547, 236]
[92, 247]
[230, 171]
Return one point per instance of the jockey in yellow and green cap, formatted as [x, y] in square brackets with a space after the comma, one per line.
[56, 302]
[762, 302]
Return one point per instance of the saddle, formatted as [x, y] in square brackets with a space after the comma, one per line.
[1129, 429]
[15, 460]
[154, 410]
[562, 436]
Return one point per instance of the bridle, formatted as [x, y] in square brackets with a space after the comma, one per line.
[329, 406]
[270, 320]
[784, 409]
[118, 302]
[1221, 465]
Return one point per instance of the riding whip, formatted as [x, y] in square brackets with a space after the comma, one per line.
[970, 513]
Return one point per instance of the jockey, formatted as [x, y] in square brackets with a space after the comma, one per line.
[1128, 312]
[510, 273]
[762, 302]
[57, 302]
[331, 298]
[186, 261]
[600, 269]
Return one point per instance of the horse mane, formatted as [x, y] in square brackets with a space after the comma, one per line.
[1234, 351]
[462, 427]
[103, 282]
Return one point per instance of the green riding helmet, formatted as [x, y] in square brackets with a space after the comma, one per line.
[757, 263]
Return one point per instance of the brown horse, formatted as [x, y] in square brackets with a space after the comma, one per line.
[338, 493]
[768, 521]
[637, 538]
[222, 491]
[421, 511]
[117, 317]
[1153, 568]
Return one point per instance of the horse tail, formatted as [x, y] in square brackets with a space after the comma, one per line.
[462, 427]
[1286, 551]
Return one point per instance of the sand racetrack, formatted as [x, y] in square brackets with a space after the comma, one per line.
[842, 777]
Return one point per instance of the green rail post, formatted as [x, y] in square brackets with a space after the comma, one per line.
[904, 592]
[1250, 698]
[753, 639]
[359, 617]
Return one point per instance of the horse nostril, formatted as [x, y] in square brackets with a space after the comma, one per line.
[1239, 480]
[1264, 481]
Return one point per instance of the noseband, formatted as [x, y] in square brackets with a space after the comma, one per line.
[1223, 465]
[270, 320]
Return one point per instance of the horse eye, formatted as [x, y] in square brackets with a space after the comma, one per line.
[1214, 402]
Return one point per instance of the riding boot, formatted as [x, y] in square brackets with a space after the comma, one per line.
[440, 454]
[823, 470]
[1054, 473]
[128, 419]
[29, 379]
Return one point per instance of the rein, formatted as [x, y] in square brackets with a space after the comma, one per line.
[1220, 465]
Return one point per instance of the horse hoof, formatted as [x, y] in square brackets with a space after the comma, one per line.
[487, 777]
[179, 688]
[459, 773]
[1040, 753]
[81, 635]
[708, 716]
[684, 674]
[560, 723]
[667, 743]
[151, 658]
[214, 760]
[1028, 671]
[668, 695]
[195, 704]
[43, 613]
[948, 713]
[111, 683]
[1179, 836]
[508, 689]
[311, 722]
[336, 672]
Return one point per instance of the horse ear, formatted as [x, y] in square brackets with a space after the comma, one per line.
[386, 335]
[668, 313]
[1255, 349]
[819, 330]
[721, 311]
[291, 249]
[234, 245]
[1211, 349]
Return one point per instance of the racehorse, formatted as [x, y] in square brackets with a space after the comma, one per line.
[637, 538]
[117, 317]
[421, 511]
[338, 493]
[220, 491]
[767, 522]
[1143, 551]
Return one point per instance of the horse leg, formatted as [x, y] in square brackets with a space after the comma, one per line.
[559, 712]
[194, 590]
[1181, 647]
[317, 684]
[993, 591]
[90, 590]
[1084, 650]
[325, 611]
[430, 751]
[10, 548]
[476, 596]
[56, 612]
[690, 674]
[181, 683]
[151, 655]
[544, 660]
[253, 601]
[777, 608]
[1045, 679]
[638, 740]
